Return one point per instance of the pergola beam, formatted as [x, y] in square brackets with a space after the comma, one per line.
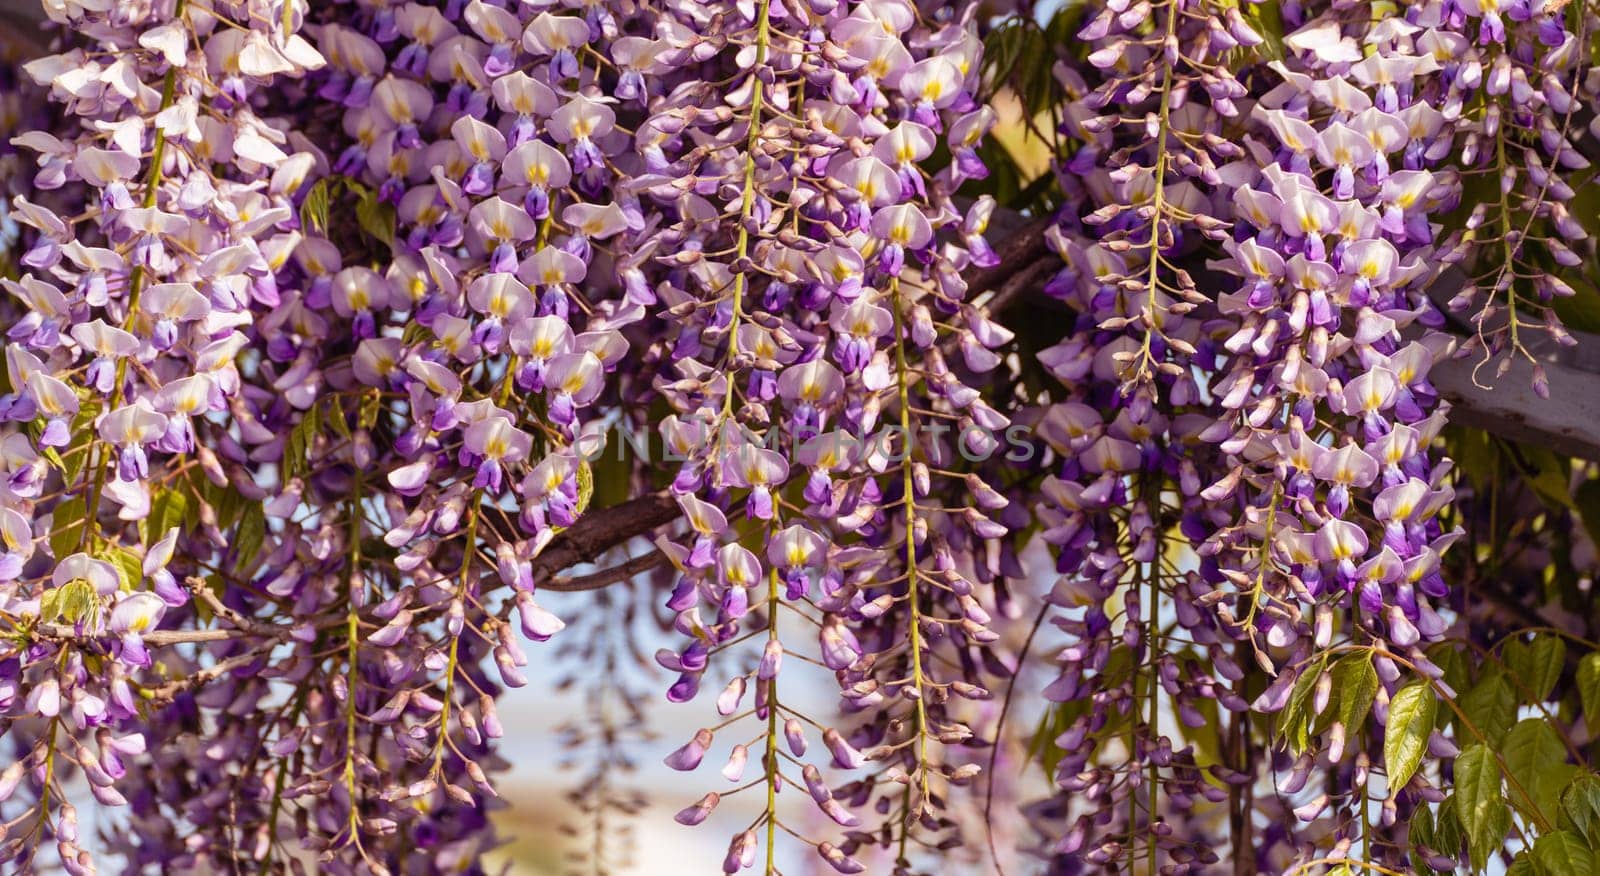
[1568, 422]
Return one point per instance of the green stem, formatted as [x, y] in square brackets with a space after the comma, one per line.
[1153, 644]
[772, 731]
[1158, 203]
[748, 195]
[469, 549]
[908, 500]
[352, 652]
[1265, 557]
[278, 785]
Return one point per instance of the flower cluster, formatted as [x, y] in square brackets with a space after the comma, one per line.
[1285, 437]
[793, 377]
[151, 226]
[352, 437]
[318, 315]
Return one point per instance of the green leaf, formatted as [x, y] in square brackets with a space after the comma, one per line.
[1536, 664]
[1522, 865]
[1294, 720]
[54, 458]
[1456, 673]
[1447, 836]
[50, 605]
[252, 533]
[66, 527]
[1589, 687]
[129, 566]
[1002, 49]
[1419, 833]
[585, 485]
[1580, 807]
[168, 508]
[1535, 757]
[1548, 475]
[1490, 706]
[1355, 683]
[72, 461]
[336, 417]
[73, 601]
[1479, 804]
[226, 502]
[297, 447]
[376, 218]
[1412, 712]
[373, 216]
[314, 209]
[1267, 20]
[1563, 854]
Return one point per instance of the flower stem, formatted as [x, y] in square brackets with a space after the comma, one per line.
[772, 730]
[747, 198]
[468, 550]
[352, 653]
[914, 632]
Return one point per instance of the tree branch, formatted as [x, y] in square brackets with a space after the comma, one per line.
[167, 692]
[154, 637]
[606, 577]
[202, 591]
[1025, 247]
[598, 531]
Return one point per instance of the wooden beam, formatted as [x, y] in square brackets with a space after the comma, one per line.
[1568, 422]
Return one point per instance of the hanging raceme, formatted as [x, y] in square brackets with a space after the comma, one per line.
[913, 344]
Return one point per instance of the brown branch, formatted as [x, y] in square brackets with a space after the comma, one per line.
[606, 577]
[67, 632]
[166, 692]
[1024, 246]
[1020, 281]
[203, 592]
[599, 531]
